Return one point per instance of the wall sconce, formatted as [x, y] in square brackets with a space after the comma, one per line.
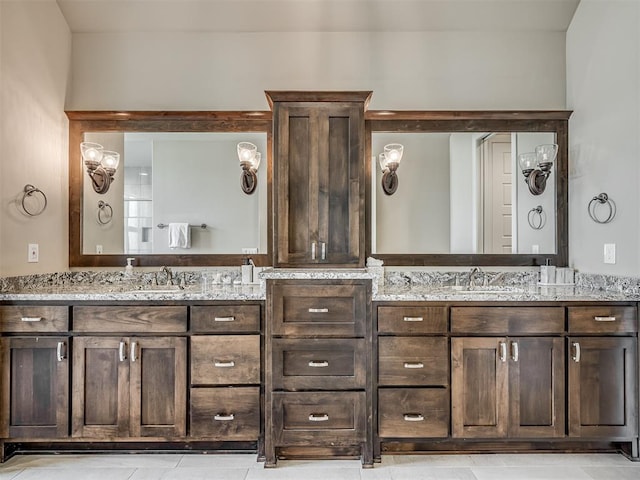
[101, 165]
[250, 162]
[389, 162]
[536, 166]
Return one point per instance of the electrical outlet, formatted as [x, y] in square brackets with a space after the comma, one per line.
[248, 251]
[33, 253]
[535, 248]
[99, 249]
[609, 253]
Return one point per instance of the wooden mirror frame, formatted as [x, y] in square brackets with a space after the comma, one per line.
[477, 121]
[81, 122]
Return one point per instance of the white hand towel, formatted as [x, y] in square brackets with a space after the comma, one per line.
[179, 235]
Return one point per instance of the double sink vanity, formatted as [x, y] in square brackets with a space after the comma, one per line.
[322, 357]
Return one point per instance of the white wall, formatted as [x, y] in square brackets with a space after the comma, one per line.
[603, 90]
[35, 50]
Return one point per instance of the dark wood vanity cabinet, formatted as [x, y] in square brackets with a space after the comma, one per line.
[317, 368]
[319, 178]
[35, 372]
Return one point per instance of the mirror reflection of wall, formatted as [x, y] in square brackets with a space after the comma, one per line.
[460, 193]
[181, 178]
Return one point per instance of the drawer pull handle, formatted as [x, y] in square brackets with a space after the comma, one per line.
[122, 355]
[412, 319]
[515, 351]
[313, 250]
[323, 250]
[318, 310]
[224, 418]
[503, 352]
[224, 319]
[605, 319]
[413, 417]
[318, 417]
[318, 364]
[576, 356]
[60, 351]
[224, 364]
[31, 319]
[134, 348]
[413, 365]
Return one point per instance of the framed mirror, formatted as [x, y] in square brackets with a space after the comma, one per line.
[176, 196]
[462, 198]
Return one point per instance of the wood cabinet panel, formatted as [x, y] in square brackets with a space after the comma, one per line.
[225, 359]
[413, 361]
[412, 320]
[225, 319]
[507, 320]
[35, 398]
[603, 385]
[226, 414]
[603, 319]
[320, 309]
[130, 319]
[413, 412]
[324, 364]
[33, 319]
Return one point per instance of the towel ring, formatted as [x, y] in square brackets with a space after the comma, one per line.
[537, 218]
[601, 199]
[103, 208]
[28, 192]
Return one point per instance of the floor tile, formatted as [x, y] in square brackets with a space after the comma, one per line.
[190, 473]
[70, 473]
[429, 460]
[289, 472]
[570, 459]
[8, 473]
[235, 460]
[613, 473]
[431, 473]
[548, 472]
[96, 461]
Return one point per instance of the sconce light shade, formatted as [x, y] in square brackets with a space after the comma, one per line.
[101, 165]
[536, 166]
[249, 162]
[389, 162]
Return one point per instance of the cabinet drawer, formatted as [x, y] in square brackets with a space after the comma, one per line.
[225, 359]
[413, 412]
[319, 309]
[327, 364]
[225, 318]
[407, 320]
[225, 413]
[413, 361]
[319, 418]
[28, 318]
[604, 319]
[507, 320]
[130, 319]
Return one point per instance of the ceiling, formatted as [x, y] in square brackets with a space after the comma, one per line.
[316, 15]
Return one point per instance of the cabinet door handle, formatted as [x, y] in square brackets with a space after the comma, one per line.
[576, 349]
[31, 319]
[318, 417]
[61, 351]
[122, 351]
[134, 346]
[413, 417]
[313, 250]
[318, 363]
[503, 351]
[413, 365]
[515, 351]
[605, 319]
[224, 364]
[224, 319]
[318, 310]
[323, 250]
[412, 319]
[224, 418]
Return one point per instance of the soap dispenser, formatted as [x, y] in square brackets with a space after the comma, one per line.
[547, 273]
[247, 271]
[128, 270]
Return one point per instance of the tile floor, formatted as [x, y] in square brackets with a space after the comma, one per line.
[393, 467]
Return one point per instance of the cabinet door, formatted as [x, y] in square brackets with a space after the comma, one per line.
[158, 387]
[603, 387]
[100, 402]
[536, 387]
[35, 398]
[479, 374]
[319, 172]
